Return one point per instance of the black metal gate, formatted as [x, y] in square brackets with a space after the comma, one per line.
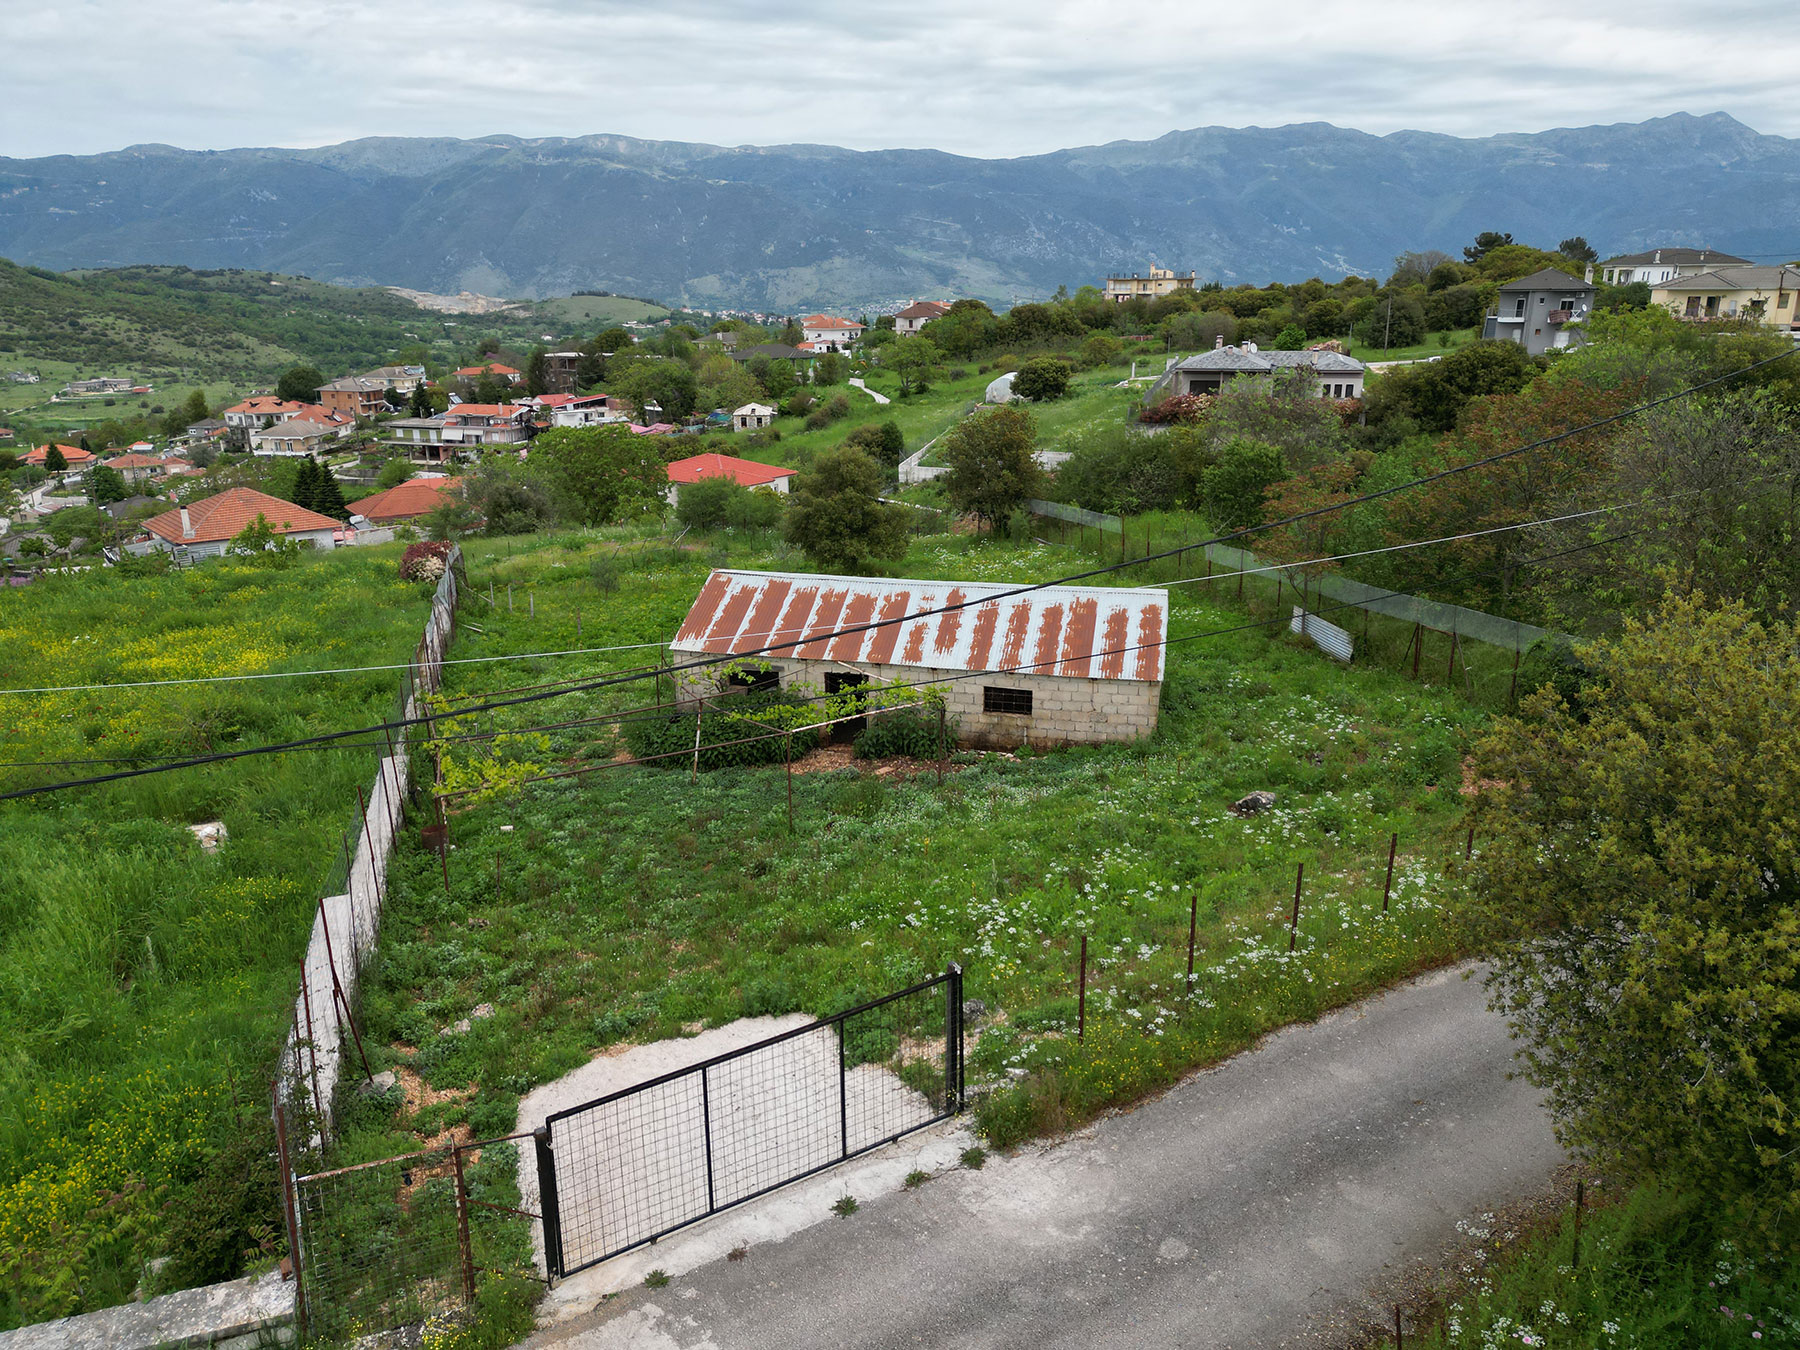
[639, 1164]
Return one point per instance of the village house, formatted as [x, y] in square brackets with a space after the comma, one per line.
[494, 368]
[919, 313]
[1658, 265]
[1160, 282]
[412, 499]
[1541, 312]
[752, 417]
[827, 333]
[1765, 295]
[138, 468]
[356, 396]
[576, 410]
[339, 424]
[473, 424]
[205, 528]
[260, 410]
[560, 372]
[397, 379]
[1334, 375]
[296, 436]
[73, 456]
[422, 438]
[88, 388]
[714, 465]
[1055, 666]
[801, 361]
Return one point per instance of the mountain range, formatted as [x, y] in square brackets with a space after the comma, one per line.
[795, 227]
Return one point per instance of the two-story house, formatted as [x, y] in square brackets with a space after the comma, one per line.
[1160, 282]
[1541, 312]
[1658, 265]
[259, 410]
[357, 395]
[827, 333]
[919, 313]
[1764, 295]
[468, 425]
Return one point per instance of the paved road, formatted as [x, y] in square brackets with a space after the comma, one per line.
[1246, 1207]
[878, 397]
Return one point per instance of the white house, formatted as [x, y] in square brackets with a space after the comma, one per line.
[1659, 264]
[752, 417]
[827, 333]
[919, 313]
[205, 528]
[1060, 665]
[296, 436]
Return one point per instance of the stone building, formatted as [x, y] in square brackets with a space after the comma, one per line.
[1056, 666]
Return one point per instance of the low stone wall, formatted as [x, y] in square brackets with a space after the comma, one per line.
[1064, 710]
[242, 1314]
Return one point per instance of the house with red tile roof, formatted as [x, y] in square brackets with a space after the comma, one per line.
[474, 424]
[714, 465]
[916, 315]
[506, 373]
[356, 395]
[260, 410]
[828, 333]
[414, 498]
[204, 528]
[135, 468]
[340, 424]
[73, 455]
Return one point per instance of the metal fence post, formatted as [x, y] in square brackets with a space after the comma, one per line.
[552, 1216]
[706, 1124]
[1193, 931]
[953, 1036]
[843, 1090]
[1294, 927]
[462, 1224]
[1081, 995]
[1388, 889]
[287, 1203]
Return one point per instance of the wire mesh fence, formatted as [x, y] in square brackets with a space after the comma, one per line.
[634, 1166]
[402, 1241]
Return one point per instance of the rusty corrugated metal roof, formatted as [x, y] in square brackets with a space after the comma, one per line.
[1084, 632]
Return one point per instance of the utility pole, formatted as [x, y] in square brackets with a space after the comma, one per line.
[1387, 327]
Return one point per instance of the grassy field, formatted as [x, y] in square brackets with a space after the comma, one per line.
[629, 903]
[1430, 347]
[145, 983]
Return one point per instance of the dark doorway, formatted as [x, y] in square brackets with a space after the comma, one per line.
[836, 683]
[753, 681]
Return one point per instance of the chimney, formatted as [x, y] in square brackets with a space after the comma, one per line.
[1218, 341]
[187, 526]
[1658, 257]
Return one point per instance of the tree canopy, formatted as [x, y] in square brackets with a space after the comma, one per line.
[1636, 892]
[600, 475]
[992, 468]
[834, 516]
[300, 384]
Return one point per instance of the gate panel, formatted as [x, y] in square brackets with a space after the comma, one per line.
[634, 1166]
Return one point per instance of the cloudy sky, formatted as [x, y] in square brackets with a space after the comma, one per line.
[990, 78]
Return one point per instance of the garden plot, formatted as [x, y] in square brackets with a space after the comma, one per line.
[636, 1166]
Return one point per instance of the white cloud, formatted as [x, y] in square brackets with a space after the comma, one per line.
[1007, 77]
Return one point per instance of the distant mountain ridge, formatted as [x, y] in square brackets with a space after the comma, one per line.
[794, 227]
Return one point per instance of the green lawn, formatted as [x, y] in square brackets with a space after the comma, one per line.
[625, 903]
[1432, 346]
[145, 985]
[597, 311]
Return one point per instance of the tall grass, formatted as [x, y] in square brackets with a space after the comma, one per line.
[145, 983]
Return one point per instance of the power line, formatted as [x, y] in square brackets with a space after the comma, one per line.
[831, 634]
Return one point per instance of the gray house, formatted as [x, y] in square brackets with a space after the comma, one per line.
[1540, 312]
[1334, 375]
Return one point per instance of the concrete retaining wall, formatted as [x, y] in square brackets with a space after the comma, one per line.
[240, 1315]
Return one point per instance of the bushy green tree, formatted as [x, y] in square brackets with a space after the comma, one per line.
[1042, 379]
[395, 472]
[1434, 394]
[300, 384]
[1102, 349]
[715, 502]
[992, 468]
[835, 518]
[1233, 490]
[913, 357]
[882, 442]
[55, 461]
[829, 369]
[668, 385]
[106, 484]
[1637, 891]
[1121, 471]
[601, 475]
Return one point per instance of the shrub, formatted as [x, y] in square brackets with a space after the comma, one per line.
[908, 731]
[1042, 379]
[425, 561]
[733, 718]
[1184, 409]
[1233, 490]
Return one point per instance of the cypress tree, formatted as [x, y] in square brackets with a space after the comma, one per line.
[306, 484]
[328, 498]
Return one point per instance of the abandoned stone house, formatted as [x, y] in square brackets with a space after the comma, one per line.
[1061, 665]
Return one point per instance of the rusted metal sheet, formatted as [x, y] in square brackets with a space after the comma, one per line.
[1093, 632]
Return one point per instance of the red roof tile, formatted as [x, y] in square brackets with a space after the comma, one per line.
[72, 455]
[225, 515]
[714, 465]
[414, 497]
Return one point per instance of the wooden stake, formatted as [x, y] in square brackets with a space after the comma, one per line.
[1193, 929]
[1294, 927]
[1081, 995]
[1387, 890]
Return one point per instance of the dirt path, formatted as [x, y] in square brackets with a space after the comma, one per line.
[1271, 1201]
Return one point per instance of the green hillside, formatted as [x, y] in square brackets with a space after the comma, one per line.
[587, 311]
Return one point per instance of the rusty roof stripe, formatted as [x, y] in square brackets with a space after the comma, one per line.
[981, 642]
[1150, 642]
[706, 604]
[1049, 641]
[824, 619]
[1018, 624]
[759, 628]
[883, 640]
[722, 636]
[948, 625]
[1078, 639]
[1112, 646]
[857, 613]
[1051, 630]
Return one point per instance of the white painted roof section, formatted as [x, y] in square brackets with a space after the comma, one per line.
[1081, 632]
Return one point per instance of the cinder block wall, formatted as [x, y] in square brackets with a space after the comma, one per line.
[1064, 710]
